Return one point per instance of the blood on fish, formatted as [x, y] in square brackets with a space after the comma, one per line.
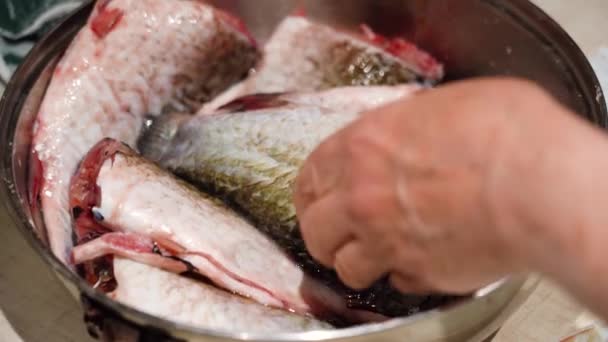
[166, 244]
[405, 50]
[106, 19]
[236, 23]
[35, 181]
[100, 274]
[85, 194]
[102, 4]
[132, 246]
[93, 256]
[300, 11]
[134, 243]
[371, 35]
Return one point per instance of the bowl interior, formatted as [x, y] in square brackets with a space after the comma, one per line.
[472, 37]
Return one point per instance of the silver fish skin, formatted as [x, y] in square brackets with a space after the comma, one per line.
[187, 301]
[132, 59]
[303, 55]
[127, 206]
[250, 151]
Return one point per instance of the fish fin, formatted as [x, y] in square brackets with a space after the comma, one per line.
[158, 133]
[131, 246]
[255, 102]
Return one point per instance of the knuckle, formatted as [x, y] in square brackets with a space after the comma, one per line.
[405, 283]
[304, 228]
[362, 142]
[308, 235]
[320, 255]
[411, 284]
[359, 205]
[417, 267]
[412, 264]
[347, 273]
[303, 187]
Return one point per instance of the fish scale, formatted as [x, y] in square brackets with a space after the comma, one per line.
[225, 155]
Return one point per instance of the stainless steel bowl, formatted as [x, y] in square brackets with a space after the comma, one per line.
[472, 37]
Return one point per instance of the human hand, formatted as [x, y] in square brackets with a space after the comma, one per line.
[420, 189]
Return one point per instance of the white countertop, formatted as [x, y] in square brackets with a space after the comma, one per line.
[41, 310]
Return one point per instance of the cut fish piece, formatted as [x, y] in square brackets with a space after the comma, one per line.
[117, 190]
[132, 59]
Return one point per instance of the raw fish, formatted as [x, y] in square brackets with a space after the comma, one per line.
[134, 58]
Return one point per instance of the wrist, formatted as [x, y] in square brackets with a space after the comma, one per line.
[559, 218]
[569, 213]
[546, 198]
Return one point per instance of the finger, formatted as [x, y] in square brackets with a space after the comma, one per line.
[409, 284]
[358, 267]
[326, 228]
[320, 174]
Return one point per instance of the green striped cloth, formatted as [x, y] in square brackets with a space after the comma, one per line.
[22, 23]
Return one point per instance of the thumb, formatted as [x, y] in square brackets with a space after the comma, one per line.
[320, 173]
